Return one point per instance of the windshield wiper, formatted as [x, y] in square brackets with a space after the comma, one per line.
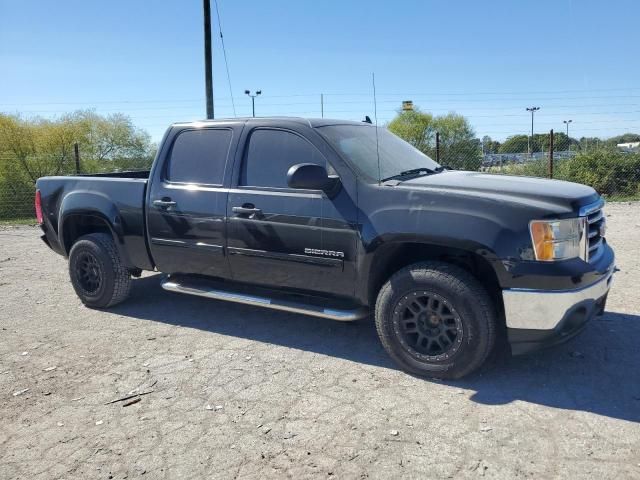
[414, 172]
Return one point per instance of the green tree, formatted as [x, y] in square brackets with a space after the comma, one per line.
[560, 141]
[541, 143]
[515, 144]
[17, 145]
[588, 143]
[606, 169]
[489, 145]
[458, 146]
[416, 127]
[113, 140]
[625, 138]
[34, 147]
[46, 147]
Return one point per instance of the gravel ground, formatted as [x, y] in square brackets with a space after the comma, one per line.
[239, 392]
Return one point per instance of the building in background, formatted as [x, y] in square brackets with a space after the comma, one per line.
[407, 105]
[629, 147]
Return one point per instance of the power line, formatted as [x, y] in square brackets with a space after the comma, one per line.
[626, 125]
[224, 52]
[191, 100]
[541, 116]
[366, 95]
[501, 93]
[364, 104]
[357, 112]
[194, 112]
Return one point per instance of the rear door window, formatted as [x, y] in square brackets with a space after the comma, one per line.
[199, 156]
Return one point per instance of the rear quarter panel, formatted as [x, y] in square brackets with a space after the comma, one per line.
[117, 201]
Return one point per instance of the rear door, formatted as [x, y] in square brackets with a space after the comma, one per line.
[187, 202]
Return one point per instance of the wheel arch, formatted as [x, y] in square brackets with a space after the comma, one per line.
[393, 256]
[85, 212]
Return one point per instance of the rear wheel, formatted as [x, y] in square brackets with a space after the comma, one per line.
[435, 319]
[97, 273]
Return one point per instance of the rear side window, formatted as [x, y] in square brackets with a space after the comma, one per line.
[270, 155]
[199, 156]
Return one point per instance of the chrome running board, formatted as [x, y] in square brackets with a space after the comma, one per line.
[200, 290]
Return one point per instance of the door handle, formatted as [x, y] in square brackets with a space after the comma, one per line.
[247, 209]
[164, 203]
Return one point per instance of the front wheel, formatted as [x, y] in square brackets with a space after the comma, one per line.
[435, 319]
[97, 273]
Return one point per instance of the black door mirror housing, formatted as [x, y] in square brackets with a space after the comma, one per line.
[309, 176]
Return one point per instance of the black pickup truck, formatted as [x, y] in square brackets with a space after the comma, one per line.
[341, 220]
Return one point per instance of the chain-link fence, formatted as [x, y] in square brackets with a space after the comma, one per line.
[19, 172]
[613, 172]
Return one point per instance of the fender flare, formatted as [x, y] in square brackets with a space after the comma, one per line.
[380, 247]
[85, 203]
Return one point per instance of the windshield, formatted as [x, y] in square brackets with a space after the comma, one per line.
[357, 144]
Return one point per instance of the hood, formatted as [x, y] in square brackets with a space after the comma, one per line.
[511, 188]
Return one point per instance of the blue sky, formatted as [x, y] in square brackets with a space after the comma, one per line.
[577, 60]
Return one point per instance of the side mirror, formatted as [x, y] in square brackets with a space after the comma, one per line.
[310, 176]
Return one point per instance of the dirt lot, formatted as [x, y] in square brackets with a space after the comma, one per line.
[247, 393]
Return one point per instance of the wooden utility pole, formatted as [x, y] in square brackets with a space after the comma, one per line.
[551, 155]
[208, 57]
[438, 147]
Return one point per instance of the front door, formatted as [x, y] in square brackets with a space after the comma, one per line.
[187, 204]
[276, 234]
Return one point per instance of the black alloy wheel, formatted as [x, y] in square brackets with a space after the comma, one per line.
[88, 273]
[428, 326]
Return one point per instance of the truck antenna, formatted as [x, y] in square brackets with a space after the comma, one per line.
[375, 116]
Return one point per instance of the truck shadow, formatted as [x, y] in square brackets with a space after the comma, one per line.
[596, 372]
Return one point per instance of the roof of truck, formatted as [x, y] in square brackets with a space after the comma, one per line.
[312, 122]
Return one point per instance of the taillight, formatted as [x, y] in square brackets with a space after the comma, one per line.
[38, 204]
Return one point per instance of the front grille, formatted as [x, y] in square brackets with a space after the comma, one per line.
[595, 226]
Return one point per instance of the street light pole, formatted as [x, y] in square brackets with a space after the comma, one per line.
[567, 122]
[532, 110]
[253, 100]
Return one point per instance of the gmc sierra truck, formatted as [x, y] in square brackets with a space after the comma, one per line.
[341, 220]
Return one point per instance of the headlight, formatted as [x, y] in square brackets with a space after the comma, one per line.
[557, 239]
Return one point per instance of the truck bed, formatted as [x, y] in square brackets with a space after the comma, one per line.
[117, 199]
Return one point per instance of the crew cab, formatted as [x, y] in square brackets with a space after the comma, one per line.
[346, 221]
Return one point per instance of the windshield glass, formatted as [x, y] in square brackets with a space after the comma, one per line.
[357, 144]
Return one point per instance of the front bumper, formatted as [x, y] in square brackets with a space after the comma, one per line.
[540, 318]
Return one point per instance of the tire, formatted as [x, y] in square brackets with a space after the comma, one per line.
[97, 273]
[435, 320]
